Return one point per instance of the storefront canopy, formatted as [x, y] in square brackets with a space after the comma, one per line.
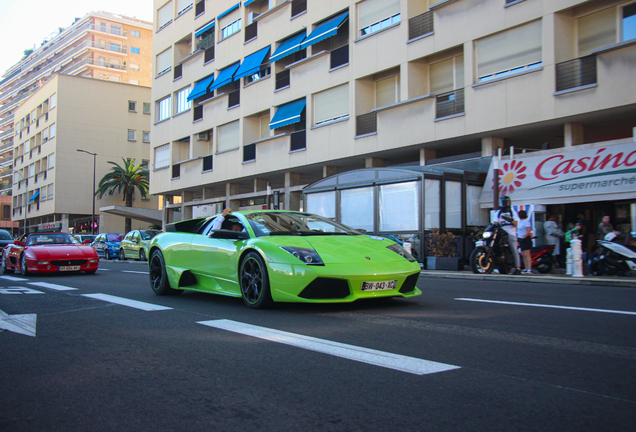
[583, 173]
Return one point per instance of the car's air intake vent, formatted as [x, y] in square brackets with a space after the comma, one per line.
[409, 283]
[326, 288]
[68, 263]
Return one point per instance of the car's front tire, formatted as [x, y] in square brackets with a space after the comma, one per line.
[106, 254]
[254, 282]
[5, 270]
[158, 275]
[23, 265]
[122, 256]
[142, 255]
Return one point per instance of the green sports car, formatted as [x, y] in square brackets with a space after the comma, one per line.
[279, 256]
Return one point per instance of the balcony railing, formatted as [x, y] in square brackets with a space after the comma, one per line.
[366, 123]
[340, 56]
[234, 98]
[450, 103]
[178, 71]
[298, 140]
[197, 113]
[199, 8]
[298, 7]
[282, 79]
[206, 42]
[107, 29]
[421, 25]
[176, 171]
[207, 163]
[249, 152]
[251, 31]
[576, 73]
[107, 47]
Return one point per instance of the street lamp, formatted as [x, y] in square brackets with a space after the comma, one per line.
[94, 164]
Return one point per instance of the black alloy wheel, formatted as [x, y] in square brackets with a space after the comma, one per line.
[255, 282]
[480, 261]
[158, 275]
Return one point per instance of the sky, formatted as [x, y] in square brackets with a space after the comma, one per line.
[24, 23]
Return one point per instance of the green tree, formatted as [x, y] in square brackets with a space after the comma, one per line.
[125, 180]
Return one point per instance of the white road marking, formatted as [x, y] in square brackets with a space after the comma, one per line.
[23, 324]
[351, 352]
[132, 271]
[13, 278]
[127, 302]
[52, 286]
[550, 306]
[19, 290]
[103, 269]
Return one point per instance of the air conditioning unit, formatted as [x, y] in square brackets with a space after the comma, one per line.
[250, 17]
[203, 136]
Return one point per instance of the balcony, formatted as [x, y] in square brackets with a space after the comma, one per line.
[421, 25]
[366, 123]
[112, 31]
[111, 48]
[580, 72]
[450, 103]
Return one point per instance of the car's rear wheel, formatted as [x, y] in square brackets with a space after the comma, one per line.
[5, 270]
[106, 254]
[142, 255]
[255, 282]
[158, 275]
[121, 255]
[23, 265]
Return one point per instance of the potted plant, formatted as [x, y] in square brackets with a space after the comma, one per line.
[442, 251]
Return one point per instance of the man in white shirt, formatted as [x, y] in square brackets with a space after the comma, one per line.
[508, 222]
[218, 222]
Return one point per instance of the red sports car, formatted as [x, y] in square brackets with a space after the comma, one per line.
[48, 253]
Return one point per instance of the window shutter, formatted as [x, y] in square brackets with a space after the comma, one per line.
[264, 127]
[164, 61]
[228, 136]
[517, 47]
[442, 76]
[332, 103]
[164, 14]
[373, 11]
[162, 156]
[386, 91]
[597, 30]
[182, 4]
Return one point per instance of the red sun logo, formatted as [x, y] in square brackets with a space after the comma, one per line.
[511, 176]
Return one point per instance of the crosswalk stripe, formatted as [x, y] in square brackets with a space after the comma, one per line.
[13, 278]
[379, 358]
[127, 302]
[52, 286]
[549, 306]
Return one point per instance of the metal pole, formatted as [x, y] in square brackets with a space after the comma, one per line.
[93, 217]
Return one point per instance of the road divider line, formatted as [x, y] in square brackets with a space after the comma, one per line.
[127, 302]
[364, 355]
[132, 271]
[13, 278]
[52, 286]
[549, 306]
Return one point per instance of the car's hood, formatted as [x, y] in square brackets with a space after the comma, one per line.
[336, 249]
[62, 251]
[113, 244]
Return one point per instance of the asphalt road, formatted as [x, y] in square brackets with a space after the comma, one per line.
[464, 356]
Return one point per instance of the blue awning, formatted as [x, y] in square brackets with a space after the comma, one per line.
[205, 28]
[228, 11]
[288, 114]
[201, 88]
[289, 46]
[247, 2]
[225, 76]
[325, 30]
[35, 195]
[252, 63]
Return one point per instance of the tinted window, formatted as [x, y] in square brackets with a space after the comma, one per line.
[4, 235]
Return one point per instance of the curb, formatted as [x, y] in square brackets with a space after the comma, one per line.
[535, 278]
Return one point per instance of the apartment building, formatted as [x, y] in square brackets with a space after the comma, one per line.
[53, 181]
[99, 45]
[261, 98]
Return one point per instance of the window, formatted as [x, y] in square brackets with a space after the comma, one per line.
[386, 91]
[134, 50]
[31, 170]
[163, 108]
[115, 47]
[356, 208]
[164, 61]
[322, 204]
[133, 66]
[52, 131]
[50, 194]
[146, 137]
[453, 204]
[183, 5]
[53, 100]
[331, 104]
[131, 135]
[6, 212]
[447, 75]
[162, 156]
[629, 22]
[135, 33]
[511, 51]
[374, 15]
[231, 29]
[228, 137]
[164, 15]
[432, 206]
[135, 82]
[602, 28]
[264, 127]
[51, 160]
[183, 104]
[132, 106]
[146, 108]
[399, 207]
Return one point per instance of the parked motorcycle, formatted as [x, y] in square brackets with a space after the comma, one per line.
[492, 252]
[542, 258]
[613, 258]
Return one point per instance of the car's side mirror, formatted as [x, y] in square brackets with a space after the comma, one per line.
[229, 234]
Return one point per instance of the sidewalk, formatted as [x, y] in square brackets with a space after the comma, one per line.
[557, 276]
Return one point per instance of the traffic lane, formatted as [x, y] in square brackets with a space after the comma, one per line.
[119, 368]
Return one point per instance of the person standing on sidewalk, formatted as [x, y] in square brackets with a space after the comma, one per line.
[553, 235]
[524, 232]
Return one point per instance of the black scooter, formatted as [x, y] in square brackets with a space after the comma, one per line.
[492, 252]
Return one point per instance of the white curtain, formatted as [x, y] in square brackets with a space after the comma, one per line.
[399, 207]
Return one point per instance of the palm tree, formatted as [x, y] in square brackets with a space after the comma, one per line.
[125, 179]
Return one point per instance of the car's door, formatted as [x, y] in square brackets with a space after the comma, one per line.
[13, 252]
[127, 245]
[99, 244]
[135, 244]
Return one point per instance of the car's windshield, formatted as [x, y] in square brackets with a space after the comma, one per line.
[51, 239]
[148, 234]
[114, 237]
[288, 223]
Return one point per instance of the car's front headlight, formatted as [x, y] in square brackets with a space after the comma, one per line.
[308, 256]
[402, 252]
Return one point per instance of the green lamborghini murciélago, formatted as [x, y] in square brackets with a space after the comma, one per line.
[279, 256]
